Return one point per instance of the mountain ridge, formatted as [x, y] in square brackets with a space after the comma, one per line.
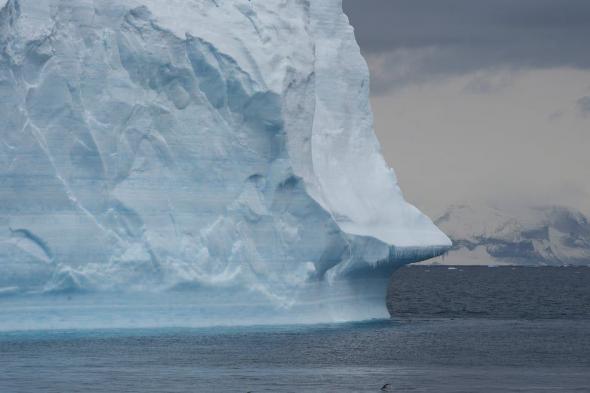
[543, 235]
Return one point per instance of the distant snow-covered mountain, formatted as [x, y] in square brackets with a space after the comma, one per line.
[484, 235]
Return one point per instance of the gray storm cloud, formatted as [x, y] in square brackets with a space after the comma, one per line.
[584, 105]
[481, 99]
[453, 37]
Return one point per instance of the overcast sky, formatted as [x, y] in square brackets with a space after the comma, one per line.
[481, 101]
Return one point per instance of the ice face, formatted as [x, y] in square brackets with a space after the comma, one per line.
[152, 146]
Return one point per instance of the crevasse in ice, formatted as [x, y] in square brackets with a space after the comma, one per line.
[211, 146]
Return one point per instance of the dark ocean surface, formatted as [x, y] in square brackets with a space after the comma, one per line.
[466, 329]
[481, 292]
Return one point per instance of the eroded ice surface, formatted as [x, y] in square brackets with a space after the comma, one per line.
[151, 145]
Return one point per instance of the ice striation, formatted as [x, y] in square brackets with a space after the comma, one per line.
[202, 151]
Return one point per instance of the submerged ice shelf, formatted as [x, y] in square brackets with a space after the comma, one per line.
[196, 146]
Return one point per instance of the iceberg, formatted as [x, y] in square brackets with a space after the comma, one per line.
[213, 154]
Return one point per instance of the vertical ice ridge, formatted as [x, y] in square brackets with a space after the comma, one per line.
[71, 196]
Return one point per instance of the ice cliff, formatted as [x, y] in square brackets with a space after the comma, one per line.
[160, 145]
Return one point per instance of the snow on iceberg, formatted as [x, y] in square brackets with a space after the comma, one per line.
[212, 146]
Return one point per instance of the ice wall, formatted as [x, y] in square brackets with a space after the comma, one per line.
[156, 146]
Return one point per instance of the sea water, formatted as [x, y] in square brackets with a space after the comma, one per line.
[460, 330]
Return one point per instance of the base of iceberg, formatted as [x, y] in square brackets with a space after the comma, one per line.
[318, 303]
[355, 297]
